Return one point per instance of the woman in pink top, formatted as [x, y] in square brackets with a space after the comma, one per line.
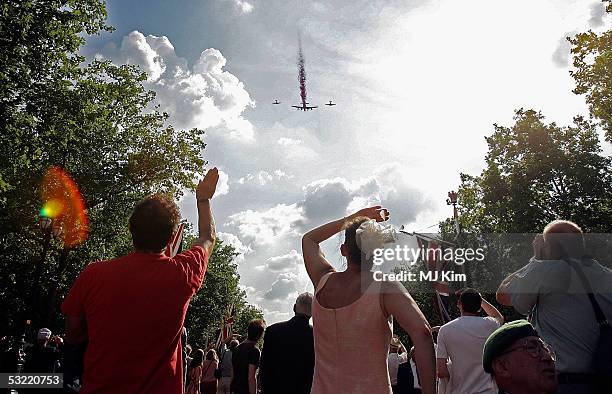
[352, 316]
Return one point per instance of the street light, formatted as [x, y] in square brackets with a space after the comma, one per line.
[452, 200]
[50, 228]
[57, 230]
[45, 223]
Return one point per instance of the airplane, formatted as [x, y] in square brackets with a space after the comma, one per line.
[276, 102]
[330, 103]
[304, 106]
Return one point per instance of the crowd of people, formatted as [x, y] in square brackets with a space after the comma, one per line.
[125, 322]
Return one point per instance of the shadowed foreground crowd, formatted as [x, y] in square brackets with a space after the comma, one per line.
[124, 331]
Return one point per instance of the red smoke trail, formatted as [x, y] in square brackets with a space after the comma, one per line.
[301, 72]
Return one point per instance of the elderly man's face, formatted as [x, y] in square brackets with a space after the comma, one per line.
[528, 362]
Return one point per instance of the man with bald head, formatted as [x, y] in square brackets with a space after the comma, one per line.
[287, 357]
[550, 290]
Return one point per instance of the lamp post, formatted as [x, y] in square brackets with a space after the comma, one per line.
[50, 229]
[19, 346]
[452, 200]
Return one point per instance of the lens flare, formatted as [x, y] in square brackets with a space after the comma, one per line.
[52, 208]
[63, 202]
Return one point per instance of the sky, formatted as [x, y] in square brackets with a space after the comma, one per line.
[418, 85]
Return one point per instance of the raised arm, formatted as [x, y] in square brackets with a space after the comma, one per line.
[502, 295]
[399, 303]
[314, 259]
[539, 252]
[206, 224]
[492, 311]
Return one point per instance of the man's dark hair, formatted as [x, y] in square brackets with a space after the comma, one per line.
[256, 329]
[153, 221]
[470, 300]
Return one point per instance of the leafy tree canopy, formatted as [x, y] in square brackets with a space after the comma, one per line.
[592, 54]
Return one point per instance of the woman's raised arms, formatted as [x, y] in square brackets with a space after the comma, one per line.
[314, 259]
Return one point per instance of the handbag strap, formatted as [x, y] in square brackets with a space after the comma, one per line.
[599, 315]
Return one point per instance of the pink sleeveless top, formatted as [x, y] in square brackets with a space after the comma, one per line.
[351, 345]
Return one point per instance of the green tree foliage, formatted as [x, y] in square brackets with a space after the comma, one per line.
[245, 313]
[209, 307]
[97, 122]
[535, 172]
[39, 41]
[592, 55]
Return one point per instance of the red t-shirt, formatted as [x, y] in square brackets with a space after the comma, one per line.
[135, 307]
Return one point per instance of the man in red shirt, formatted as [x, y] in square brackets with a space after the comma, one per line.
[130, 310]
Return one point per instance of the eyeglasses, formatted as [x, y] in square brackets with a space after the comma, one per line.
[535, 349]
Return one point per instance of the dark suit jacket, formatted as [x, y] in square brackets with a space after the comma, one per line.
[287, 357]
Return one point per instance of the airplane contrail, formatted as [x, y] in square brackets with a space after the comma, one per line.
[301, 72]
[302, 79]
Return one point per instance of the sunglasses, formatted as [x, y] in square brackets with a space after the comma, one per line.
[535, 349]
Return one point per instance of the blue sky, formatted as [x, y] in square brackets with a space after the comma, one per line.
[418, 85]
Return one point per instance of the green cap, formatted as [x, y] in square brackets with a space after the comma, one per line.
[502, 338]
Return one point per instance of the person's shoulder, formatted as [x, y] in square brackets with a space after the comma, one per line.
[391, 286]
[450, 325]
[194, 251]
[96, 268]
[273, 328]
[491, 322]
[546, 266]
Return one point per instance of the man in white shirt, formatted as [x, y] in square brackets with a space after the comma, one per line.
[462, 341]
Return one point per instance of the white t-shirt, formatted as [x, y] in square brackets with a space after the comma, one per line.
[394, 360]
[415, 373]
[462, 340]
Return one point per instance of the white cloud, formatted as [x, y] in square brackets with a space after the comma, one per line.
[561, 55]
[324, 200]
[233, 240]
[267, 226]
[243, 6]
[249, 290]
[328, 199]
[264, 177]
[222, 185]
[204, 96]
[285, 286]
[598, 11]
[284, 141]
[285, 262]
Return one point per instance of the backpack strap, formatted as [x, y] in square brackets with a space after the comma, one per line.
[599, 315]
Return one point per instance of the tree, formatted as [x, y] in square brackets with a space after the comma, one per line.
[95, 121]
[538, 172]
[535, 173]
[244, 315]
[208, 308]
[592, 55]
[39, 40]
